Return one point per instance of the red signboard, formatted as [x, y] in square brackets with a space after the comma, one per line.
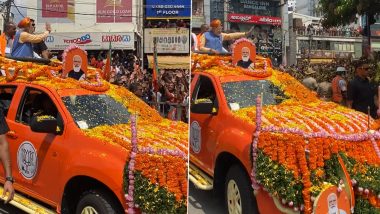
[246, 18]
[54, 8]
[123, 11]
[110, 11]
[105, 11]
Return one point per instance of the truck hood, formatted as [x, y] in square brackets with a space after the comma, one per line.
[311, 117]
[163, 135]
[162, 154]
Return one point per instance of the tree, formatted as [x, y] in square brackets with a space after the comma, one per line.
[343, 12]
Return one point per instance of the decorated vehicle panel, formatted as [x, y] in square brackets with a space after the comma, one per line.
[299, 153]
[106, 142]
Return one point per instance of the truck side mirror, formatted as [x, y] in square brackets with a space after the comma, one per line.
[204, 106]
[44, 124]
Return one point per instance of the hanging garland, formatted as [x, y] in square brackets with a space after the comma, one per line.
[31, 71]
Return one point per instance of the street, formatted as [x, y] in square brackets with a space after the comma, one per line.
[9, 209]
[203, 202]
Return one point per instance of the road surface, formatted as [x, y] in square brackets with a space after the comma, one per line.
[204, 202]
[9, 209]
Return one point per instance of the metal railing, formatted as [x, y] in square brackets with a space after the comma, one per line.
[328, 32]
[173, 111]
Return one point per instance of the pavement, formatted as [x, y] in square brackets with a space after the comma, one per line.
[203, 202]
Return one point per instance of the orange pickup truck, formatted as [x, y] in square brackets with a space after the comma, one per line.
[268, 145]
[70, 147]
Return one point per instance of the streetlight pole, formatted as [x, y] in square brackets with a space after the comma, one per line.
[284, 56]
[310, 39]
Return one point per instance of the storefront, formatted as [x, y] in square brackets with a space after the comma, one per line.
[92, 40]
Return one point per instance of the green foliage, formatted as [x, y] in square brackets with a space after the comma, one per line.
[277, 180]
[342, 12]
[362, 206]
[375, 65]
[331, 168]
[152, 198]
[368, 177]
[280, 182]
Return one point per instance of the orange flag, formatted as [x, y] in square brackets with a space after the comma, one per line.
[155, 67]
[107, 67]
[3, 44]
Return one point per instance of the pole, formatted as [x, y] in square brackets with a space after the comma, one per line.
[155, 71]
[7, 11]
[309, 47]
[369, 34]
[225, 14]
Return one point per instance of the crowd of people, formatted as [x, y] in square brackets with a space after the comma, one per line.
[349, 83]
[126, 71]
[319, 30]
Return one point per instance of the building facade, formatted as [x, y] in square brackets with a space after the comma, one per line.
[310, 41]
[91, 24]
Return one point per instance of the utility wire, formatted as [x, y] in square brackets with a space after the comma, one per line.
[84, 14]
[17, 9]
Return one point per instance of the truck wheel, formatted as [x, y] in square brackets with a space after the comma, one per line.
[95, 202]
[239, 193]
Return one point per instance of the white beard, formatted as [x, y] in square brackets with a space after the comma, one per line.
[245, 58]
[76, 69]
[333, 210]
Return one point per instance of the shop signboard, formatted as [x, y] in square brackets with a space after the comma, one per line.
[253, 19]
[55, 11]
[111, 11]
[255, 7]
[91, 41]
[169, 40]
[54, 8]
[168, 8]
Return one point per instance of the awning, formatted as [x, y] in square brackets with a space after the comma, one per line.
[170, 62]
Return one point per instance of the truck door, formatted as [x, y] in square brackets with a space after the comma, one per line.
[36, 157]
[203, 125]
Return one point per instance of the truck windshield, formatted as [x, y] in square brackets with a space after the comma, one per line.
[243, 94]
[90, 111]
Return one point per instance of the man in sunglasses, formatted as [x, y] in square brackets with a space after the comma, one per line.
[362, 92]
[40, 48]
[22, 44]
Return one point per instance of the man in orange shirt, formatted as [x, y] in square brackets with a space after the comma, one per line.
[204, 29]
[6, 42]
[339, 87]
